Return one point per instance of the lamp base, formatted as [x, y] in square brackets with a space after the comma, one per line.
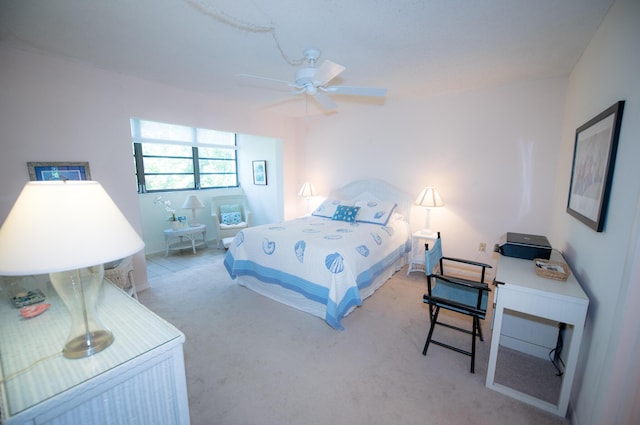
[88, 345]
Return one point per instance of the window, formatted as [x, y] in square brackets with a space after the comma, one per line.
[176, 157]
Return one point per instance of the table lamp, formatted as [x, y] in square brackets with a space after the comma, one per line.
[307, 191]
[429, 198]
[193, 203]
[68, 229]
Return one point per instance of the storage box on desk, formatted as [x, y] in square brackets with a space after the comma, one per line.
[528, 247]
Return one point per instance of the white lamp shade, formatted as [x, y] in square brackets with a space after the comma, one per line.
[64, 225]
[192, 201]
[429, 197]
[307, 190]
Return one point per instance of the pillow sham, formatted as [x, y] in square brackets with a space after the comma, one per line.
[328, 207]
[375, 212]
[345, 213]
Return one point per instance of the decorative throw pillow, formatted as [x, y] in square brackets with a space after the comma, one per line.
[345, 213]
[231, 218]
[328, 207]
[375, 212]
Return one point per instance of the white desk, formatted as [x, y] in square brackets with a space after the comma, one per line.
[139, 379]
[521, 289]
[418, 239]
[190, 233]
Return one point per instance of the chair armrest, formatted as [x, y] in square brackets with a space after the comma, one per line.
[473, 263]
[248, 217]
[483, 266]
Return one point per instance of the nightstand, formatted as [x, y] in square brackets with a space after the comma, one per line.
[187, 238]
[418, 239]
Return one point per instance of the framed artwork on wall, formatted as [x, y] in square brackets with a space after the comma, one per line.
[260, 172]
[594, 158]
[58, 171]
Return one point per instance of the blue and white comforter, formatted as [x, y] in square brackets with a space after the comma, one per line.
[327, 261]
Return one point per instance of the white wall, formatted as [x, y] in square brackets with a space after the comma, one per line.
[606, 264]
[491, 153]
[56, 110]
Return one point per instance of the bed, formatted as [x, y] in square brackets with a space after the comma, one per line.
[327, 263]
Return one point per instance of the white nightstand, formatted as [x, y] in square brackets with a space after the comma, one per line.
[190, 233]
[418, 239]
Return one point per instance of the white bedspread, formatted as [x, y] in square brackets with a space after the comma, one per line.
[327, 261]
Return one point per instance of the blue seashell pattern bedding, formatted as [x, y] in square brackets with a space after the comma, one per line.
[327, 261]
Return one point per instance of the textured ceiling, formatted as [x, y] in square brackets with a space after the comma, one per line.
[411, 47]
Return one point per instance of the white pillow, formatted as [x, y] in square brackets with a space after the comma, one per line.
[329, 206]
[374, 212]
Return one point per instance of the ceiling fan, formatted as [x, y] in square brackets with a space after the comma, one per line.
[312, 80]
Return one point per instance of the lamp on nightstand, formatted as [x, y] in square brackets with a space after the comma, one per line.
[307, 191]
[193, 203]
[68, 229]
[429, 198]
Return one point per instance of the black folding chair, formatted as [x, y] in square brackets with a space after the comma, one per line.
[460, 295]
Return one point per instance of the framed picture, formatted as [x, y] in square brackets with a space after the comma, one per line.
[59, 171]
[594, 157]
[260, 172]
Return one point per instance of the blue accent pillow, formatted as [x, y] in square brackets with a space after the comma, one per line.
[345, 213]
[328, 207]
[231, 218]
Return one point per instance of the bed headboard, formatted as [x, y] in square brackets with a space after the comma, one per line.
[375, 189]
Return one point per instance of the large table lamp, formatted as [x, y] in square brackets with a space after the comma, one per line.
[429, 198]
[68, 229]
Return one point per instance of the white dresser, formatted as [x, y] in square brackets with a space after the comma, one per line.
[139, 379]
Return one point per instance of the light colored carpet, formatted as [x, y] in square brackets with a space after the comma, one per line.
[251, 360]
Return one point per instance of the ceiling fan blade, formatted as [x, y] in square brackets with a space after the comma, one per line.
[358, 91]
[327, 72]
[324, 101]
[275, 80]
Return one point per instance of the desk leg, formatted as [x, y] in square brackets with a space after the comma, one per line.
[495, 345]
[570, 369]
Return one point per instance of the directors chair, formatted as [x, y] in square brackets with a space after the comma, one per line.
[460, 295]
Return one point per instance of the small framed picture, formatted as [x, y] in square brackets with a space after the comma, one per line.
[58, 171]
[260, 172]
[594, 157]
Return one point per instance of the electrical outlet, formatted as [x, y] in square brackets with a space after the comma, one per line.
[482, 247]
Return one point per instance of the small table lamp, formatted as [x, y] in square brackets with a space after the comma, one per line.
[307, 191]
[68, 229]
[429, 198]
[193, 203]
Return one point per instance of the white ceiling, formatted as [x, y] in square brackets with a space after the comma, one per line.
[411, 47]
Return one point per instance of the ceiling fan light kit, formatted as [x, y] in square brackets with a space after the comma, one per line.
[314, 81]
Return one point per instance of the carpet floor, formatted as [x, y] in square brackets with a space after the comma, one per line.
[250, 360]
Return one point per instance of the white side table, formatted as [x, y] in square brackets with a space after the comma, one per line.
[188, 237]
[418, 239]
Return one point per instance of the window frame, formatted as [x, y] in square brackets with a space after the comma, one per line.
[194, 143]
